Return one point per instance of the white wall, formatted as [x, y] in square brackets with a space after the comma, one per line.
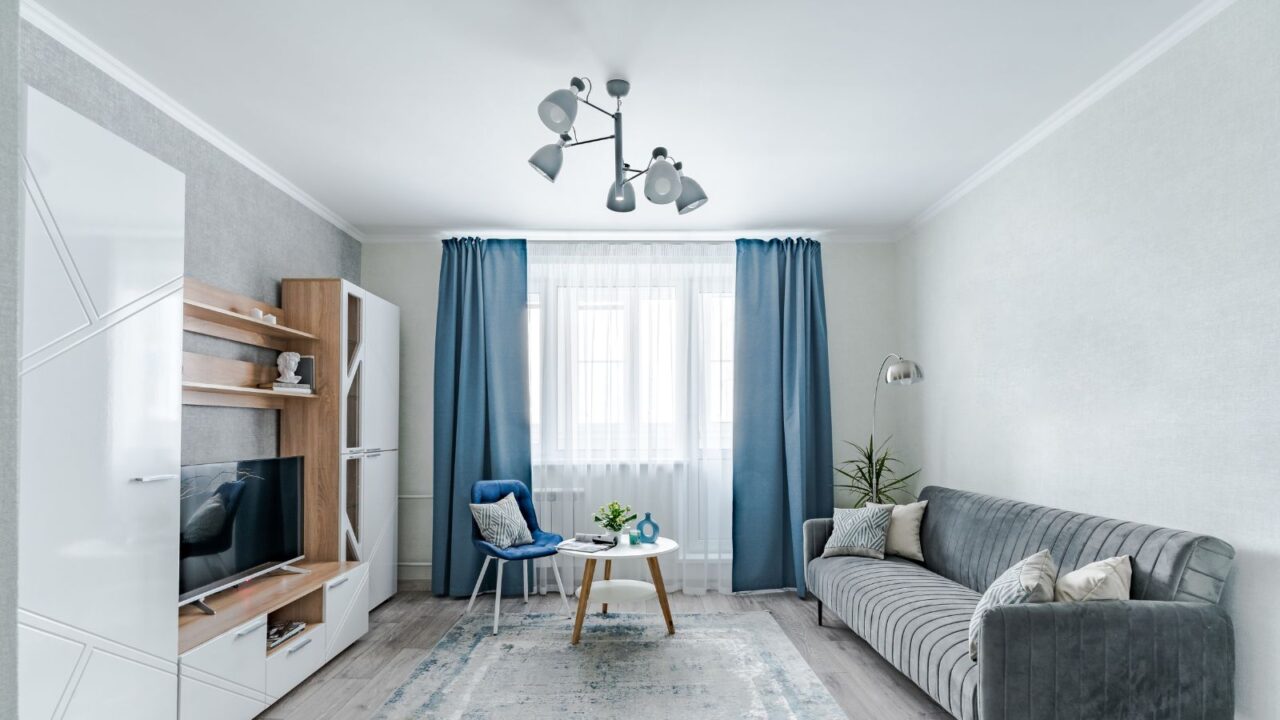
[1100, 321]
[408, 274]
[860, 279]
[859, 276]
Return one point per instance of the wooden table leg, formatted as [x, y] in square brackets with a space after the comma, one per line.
[656, 572]
[608, 570]
[584, 593]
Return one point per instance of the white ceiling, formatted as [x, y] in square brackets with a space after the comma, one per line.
[812, 114]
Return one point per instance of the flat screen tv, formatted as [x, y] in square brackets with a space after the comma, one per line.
[239, 520]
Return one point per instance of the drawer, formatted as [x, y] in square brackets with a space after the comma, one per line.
[199, 700]
[238, 656]
[294, 661]
[346, 609]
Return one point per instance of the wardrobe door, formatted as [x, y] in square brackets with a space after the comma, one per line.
[381, 500]
[381, 399]
[101, 422]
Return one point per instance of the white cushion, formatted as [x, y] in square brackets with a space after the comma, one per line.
[904, 530]
[501, 523]
[1026, 582]
[859, 532]
[1103, 580]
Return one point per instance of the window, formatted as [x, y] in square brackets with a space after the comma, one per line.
[631, 375]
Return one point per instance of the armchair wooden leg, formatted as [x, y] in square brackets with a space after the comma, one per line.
[483, 569]
[497, 597]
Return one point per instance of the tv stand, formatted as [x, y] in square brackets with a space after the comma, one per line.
[202, 606]
[288, 570]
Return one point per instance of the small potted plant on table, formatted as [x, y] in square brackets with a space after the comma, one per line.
[614, 518]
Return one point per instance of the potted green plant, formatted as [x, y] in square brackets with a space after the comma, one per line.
[614, 518]
[872, 475]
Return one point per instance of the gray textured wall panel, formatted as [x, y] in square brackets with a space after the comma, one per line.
[243, 234]
[10, 279]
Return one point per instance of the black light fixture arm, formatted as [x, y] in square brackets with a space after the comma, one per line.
[588, 142]
[588, 103]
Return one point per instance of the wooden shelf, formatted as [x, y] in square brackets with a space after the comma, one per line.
[255, 598]
[236, 321]
[213, 394]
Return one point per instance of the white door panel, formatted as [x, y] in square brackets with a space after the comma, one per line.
[47, 667]
[116, 687]
[381, 471]
[381, 399]
[203, 701]
[120, 211]
[97, 547]
[51, 309]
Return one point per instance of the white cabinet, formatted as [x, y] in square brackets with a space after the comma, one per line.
[236, 660]
[101, 423]
[346, 610]
[380, 398]
[370, 428]
[381, 517]
[294, 661]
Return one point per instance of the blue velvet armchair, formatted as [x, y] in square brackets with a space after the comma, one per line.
[543, 545]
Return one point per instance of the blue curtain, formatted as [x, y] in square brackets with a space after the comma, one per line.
[481, 397]
[782, 410]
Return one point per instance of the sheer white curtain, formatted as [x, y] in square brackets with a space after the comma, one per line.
[631, 377]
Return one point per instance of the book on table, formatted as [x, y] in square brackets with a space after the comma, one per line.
[588, 543]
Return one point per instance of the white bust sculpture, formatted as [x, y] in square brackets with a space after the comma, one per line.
[288, 366]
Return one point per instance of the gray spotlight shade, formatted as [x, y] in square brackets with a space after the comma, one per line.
[691, 195]
[662, 182]
[628, 201]
[559, 110]
[547, 161]
[904, 372]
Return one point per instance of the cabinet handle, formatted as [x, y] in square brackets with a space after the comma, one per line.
[249, 630]
[153, 478]
[338, 583]
[301, 644]
[373, 455]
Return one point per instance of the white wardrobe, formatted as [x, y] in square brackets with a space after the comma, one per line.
[101, 412]
[370, 429]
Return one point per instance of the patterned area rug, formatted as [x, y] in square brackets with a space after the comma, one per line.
[722, 665]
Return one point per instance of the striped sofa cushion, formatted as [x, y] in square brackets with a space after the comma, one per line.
[917, 620]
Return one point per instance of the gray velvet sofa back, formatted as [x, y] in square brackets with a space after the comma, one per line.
[972, 538]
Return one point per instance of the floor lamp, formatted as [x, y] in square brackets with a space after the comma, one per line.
[901, 372]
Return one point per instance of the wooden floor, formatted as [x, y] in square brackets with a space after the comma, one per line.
[404, 629]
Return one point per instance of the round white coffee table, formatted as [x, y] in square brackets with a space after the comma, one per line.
[606, 591]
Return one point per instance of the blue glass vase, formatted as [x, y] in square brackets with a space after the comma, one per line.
[648, 529]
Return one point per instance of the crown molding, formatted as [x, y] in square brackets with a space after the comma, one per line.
[74, 40]
[1159, 45]
[430, 234]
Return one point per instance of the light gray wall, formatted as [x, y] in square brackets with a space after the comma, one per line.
[1100, 321]
[11, 251]
[858, 276]
[243, 234]
[860, 279]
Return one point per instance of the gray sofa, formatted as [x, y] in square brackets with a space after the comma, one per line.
[1167, 653]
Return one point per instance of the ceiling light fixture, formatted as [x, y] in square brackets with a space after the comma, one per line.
[666, 182]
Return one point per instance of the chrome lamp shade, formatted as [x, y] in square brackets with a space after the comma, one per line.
[559, 110]
[548, 159]
[624, 201]
[691, 195]
[903, 372]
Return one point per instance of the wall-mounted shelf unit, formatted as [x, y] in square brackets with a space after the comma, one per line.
[221, 382]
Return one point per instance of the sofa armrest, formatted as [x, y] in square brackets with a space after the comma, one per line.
[816, 534]
[1096, 660]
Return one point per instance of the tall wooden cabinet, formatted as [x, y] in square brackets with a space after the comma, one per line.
[101, 423]
[361, 382]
